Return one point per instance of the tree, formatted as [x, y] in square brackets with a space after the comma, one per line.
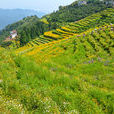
[23, 39]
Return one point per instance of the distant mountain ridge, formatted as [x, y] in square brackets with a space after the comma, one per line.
[9, 16]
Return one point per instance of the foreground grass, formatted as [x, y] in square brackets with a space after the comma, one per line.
[71, 76]
[63, 84]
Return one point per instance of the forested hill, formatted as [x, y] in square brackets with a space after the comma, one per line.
[28, 27]
[74, 11]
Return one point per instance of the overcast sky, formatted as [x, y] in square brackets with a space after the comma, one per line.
[41, 5]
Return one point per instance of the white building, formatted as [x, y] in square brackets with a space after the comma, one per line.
[13, 34]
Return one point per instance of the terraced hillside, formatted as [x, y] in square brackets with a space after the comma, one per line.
[75, 28]
[71, 75]
[99, 40]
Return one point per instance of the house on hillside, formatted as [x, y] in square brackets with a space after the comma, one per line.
[13, 34]
[83, 2]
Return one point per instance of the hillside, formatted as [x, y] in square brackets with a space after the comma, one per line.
[75, 12]
[63, 16]
[9, 16]
[74, 28]
[67, 70]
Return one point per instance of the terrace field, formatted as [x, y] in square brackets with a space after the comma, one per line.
[74, 28]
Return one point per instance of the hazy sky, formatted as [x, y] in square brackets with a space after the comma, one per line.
[41, 5]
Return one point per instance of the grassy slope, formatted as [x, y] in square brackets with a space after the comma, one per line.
[71, 75]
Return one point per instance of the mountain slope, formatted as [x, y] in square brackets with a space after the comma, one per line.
[73, 75]
[63, 16]
[68, 70]
[9, 16]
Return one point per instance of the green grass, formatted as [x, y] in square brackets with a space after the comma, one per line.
[78, 80]
[72, 76]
